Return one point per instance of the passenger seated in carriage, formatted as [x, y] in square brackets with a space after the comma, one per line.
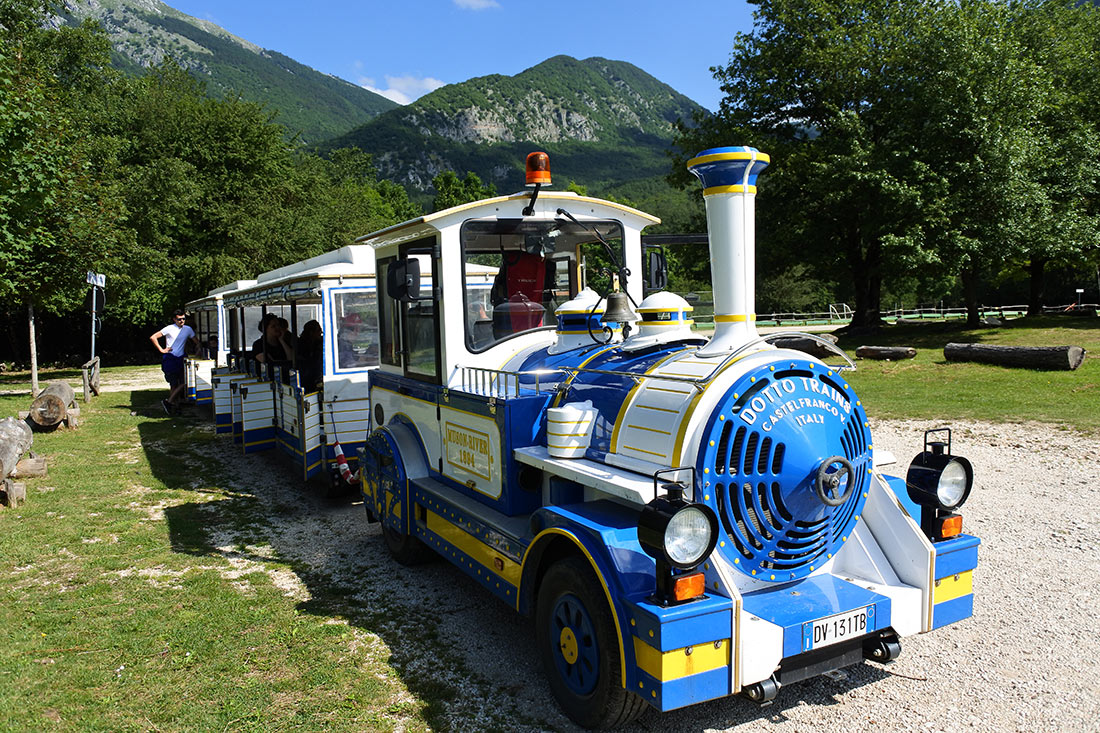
[309, 356]
[274, 345]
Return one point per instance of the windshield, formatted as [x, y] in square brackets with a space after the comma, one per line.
[518, 271]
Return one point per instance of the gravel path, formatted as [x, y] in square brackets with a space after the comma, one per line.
[1027, 660]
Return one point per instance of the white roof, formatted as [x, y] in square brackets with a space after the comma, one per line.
[510, 206]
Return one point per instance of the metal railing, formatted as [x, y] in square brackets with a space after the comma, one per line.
[503, 384]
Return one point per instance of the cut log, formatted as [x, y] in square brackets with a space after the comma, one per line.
[1065, 358]
[893, 353]
[13, 493]
[31, 467]
[805, 345]
[15, 440]
[52, 405]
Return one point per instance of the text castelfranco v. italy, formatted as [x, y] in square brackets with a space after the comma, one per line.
[782, 395]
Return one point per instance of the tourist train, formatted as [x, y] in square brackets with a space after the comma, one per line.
[684, 517]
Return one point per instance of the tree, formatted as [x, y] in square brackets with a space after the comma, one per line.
[57, 217]
[452, 191]
[911, 137]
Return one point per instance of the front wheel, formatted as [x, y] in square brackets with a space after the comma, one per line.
[580, 649]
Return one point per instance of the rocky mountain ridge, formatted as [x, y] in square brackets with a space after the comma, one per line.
[144, 33]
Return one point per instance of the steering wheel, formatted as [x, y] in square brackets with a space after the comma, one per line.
[827, 485]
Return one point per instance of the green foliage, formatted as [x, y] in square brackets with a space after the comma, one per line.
[452, 191]
[166, 190]
[57, 219]
[913, 140]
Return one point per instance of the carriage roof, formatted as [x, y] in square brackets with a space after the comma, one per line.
[509, 206]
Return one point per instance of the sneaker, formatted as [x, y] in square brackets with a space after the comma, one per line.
[167, 407]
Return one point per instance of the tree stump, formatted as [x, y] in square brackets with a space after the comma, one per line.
[805, 345]
[1065, 358]
[893, 353]
[52, 406]
[13, 493]
[15, 440]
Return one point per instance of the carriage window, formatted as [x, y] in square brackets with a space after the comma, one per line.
[518, 271]
[421, 325]
[356, 320]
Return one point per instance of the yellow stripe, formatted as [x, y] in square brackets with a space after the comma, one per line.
[954, 586]
[728, 189]
[630, 398]
[652, 430]
[681, 434]
[603, 584]
[735, 319]
[677, 663]
[659, 409]
[565, 386]
[665, 310]
[567, 435]
[643, 450]
[740, 155]
[670, 391]
[481, 552]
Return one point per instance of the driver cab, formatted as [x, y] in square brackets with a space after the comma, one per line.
[469, 290]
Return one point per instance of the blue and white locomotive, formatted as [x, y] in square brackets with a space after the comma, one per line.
[684, 518]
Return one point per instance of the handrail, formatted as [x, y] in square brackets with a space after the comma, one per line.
[481, 380]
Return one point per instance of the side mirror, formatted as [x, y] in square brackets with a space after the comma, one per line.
[403, 280]
[657, 270]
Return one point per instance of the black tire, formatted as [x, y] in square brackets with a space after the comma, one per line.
[404, 548]
[580, 656]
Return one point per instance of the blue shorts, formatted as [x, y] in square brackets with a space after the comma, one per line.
[172, 366]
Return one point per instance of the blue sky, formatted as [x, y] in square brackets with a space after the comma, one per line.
[406, 48]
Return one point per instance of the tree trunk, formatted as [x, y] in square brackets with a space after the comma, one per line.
[1036, 270]
[969, 276]
[52, 406]
[809, 346]
[866, 269]
[893, 353]
[15, 440]
[34, 349]
[1065, 358]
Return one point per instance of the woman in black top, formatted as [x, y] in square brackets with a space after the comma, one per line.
[273, 345]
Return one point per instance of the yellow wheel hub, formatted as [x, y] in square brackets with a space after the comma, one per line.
[567, 642]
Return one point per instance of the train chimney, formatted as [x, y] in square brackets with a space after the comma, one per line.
[729, 189]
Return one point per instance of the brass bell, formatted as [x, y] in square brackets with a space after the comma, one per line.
[618, 309]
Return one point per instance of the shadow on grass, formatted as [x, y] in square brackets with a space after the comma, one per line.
[468, 658]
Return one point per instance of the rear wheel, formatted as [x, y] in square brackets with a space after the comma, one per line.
[580, 648]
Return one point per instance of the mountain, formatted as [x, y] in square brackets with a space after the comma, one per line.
[145, 32]
[604, 123]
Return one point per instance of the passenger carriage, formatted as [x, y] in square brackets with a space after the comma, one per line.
[684, 518]
[208, 319]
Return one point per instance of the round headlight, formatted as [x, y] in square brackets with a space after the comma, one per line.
[688, 536]
[953, 485]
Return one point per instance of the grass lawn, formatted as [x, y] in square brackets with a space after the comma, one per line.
[117, 614]
[929, 387]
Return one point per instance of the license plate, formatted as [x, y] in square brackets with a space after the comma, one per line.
[835, 629]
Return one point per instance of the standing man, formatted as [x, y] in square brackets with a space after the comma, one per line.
[176, 335]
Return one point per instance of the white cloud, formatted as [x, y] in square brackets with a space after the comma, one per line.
[477, 4]
[402, 89]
